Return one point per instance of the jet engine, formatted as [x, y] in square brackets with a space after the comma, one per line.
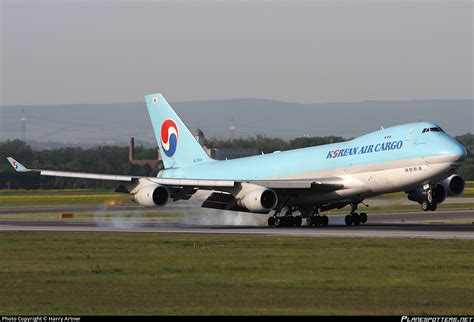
[259, 200]
[454, 185]
[152, 196]
[419, 195]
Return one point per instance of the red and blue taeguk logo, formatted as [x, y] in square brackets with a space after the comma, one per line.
[169, 137]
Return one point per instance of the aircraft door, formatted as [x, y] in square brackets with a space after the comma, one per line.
[410, 136]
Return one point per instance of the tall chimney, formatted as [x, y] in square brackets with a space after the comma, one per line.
[131, 149]
[23, 126]
[232, 130]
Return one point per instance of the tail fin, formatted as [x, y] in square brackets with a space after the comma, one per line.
[17, 165]
[178, 147]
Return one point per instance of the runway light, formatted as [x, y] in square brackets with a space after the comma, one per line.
[66, 215]
[115, 203]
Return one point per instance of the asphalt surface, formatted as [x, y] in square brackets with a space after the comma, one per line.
[435, 225]
[40, 210]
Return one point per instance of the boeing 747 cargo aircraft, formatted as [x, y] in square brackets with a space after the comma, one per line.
[417, 158]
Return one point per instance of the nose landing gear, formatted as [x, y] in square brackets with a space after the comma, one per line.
[429, 204]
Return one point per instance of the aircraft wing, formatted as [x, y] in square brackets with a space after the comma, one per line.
[317, 185]
[124, 178]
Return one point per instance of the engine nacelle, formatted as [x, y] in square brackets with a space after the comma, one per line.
[152, 196]
[419, 195]
[259, 200]
[454, 185]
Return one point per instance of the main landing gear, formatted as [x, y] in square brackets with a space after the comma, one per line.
[355, 218]
[313, 219]
[288, 220]
[316, 220]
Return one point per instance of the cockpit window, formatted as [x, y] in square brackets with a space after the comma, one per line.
[432, 129]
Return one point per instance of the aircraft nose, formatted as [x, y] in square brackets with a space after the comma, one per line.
[459, 152]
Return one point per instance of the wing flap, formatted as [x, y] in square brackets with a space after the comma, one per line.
[320, 184]
[283, 184]
[218, 200]
[223, 201]
[200, 183]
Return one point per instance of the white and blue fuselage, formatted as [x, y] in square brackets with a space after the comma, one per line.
[398, 158]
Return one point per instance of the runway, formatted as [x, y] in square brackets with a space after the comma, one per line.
[400, 225]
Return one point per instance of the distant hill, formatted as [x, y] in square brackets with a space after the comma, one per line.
[115, 123]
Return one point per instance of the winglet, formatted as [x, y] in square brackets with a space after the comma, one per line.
[17, 165]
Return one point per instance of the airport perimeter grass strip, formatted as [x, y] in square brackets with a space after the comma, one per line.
[107, 273]
[29, 198]
[24, 199]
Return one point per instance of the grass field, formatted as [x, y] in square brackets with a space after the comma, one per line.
[45, 198]
[90, 273]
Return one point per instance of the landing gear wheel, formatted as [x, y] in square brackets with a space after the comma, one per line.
[278, 222]
[425, 205]
[290, 220]
[298, 221]
[363, 217]
[433, 206]
[324, 221]
[348, 220]
[355, 219]
[309, 221]
[317, 221]
[271, 222]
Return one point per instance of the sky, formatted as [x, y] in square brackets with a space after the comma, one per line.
[60, 52]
